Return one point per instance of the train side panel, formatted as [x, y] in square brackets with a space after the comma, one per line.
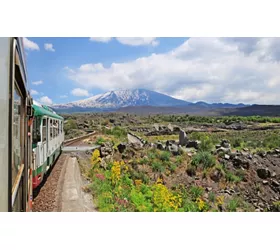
[4, 131]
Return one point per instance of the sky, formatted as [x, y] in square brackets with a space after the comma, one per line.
[234, 70]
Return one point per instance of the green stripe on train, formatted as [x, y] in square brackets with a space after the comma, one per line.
[48, 162]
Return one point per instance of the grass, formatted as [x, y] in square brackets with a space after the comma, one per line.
[165, 156]
[157, 166]
[100, 140]
[212, 197]
[232, 177]
[204, 159]
[233, 204]
[196, 192]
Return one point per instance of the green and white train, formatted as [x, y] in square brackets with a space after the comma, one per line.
[48, 137]
[31, 134]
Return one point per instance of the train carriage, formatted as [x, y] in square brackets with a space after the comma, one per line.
[15, 132]
[48, 137]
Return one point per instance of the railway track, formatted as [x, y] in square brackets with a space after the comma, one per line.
[77, 141]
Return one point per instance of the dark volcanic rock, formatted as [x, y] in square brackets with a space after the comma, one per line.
[121, 147]
[193, 144]
[183, 139]
[160, 146]
[263, 173]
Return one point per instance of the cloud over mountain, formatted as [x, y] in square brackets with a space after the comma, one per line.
[209, 69]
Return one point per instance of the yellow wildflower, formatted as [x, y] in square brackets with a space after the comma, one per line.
[200, 203]
[95, 158]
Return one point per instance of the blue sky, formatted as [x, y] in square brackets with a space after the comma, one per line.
[236, 70]
[49, 66]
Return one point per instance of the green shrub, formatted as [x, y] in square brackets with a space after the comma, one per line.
[233, 204]
[118, 132]
[232, 177]
[158, 166]
[70, 124]
[205, 159]
[142, 201]
[173, 168]
[237, 142]
[206, 144]
[100, 140]
[196, 192]
[165, 156]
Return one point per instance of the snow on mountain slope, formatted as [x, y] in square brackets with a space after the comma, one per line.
[124, 98]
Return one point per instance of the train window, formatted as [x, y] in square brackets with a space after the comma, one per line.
[44, 130]
[51, 128]
[36, 130]
[18, 156]
[58, 128]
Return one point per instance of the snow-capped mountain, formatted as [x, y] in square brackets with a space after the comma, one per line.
[114, 100]
[124, 98]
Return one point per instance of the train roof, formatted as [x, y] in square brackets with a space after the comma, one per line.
[41, 110]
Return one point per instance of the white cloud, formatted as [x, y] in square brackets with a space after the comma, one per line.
[45, 100]
[138, 41]
[49, 47]
[37, 82]
[34, 92]
[79, 92]
[208, 69]
[29, 45]
[63, 96]
[101, 39]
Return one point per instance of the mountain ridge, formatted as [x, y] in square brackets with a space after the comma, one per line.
[114, 100]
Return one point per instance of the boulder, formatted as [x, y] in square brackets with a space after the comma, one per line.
[226, 156]
[160, 146]
[121, 147]
[183, 140]
[193, 144]
[170, 127]
[135, 141]
[223, 150]
[173, 148]
[225, 143]
[156, 127]
[263, 173]
[275, 183]
[106, 149]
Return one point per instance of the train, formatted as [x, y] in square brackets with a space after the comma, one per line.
[31, 134]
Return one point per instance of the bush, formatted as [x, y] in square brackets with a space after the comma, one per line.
[196, 192]
[206, 159]
[206, 144]
[232, 178]
[233, 204]
[158, 166]
[165, 156]
[237, 142]
[69, 124]
[100, 140]
[117, 132]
